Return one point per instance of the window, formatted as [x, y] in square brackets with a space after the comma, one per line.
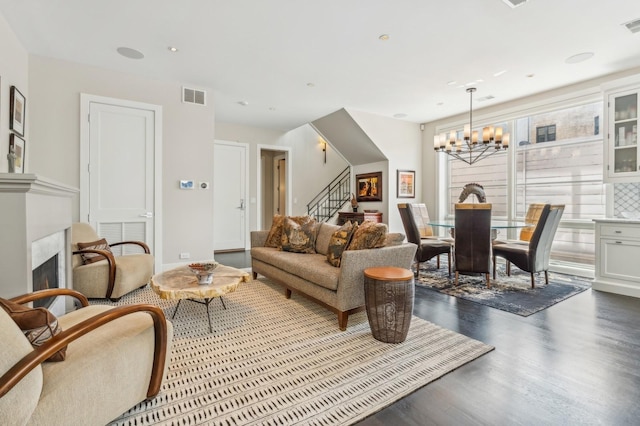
[555, 157]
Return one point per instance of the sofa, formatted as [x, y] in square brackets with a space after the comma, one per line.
[113, 358]
[339, 289]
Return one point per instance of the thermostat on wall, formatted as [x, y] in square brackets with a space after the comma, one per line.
[186, 184]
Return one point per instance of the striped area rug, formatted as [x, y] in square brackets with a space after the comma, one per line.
[273, 361]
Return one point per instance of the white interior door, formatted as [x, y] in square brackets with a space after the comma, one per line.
[230, 195]
[121, 172]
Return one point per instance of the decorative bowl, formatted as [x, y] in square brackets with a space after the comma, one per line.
[204, 271]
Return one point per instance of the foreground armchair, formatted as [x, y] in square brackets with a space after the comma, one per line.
[98, 273]
[115, 358]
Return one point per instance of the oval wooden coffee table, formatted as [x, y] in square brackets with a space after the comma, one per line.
[180, 283]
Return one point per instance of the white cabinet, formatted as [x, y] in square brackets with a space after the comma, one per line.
[618, 256]
[621, 135]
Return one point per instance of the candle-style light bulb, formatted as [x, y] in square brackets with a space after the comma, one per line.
[505, 140]
[467, 131]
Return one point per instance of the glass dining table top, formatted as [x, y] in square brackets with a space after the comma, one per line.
[495, 224]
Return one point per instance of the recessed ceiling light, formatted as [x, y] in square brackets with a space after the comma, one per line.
[130, 53]
[243, 103]
[580, 57]
[451, 83]
[530, 75]
[311, 85]
[400, 115]
[272, 108]
[384, 37]
[440, 103]
[172, 49]
[499, 73]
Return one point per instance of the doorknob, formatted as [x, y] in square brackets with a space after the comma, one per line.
[147, 215]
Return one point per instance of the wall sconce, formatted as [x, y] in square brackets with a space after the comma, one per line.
[324, 149]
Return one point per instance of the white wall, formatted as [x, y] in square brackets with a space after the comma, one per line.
[310, 173]
[14, 71]
[401, 143]
[188, 134]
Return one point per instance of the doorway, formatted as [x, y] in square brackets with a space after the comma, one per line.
[123, 136]
[274, 183]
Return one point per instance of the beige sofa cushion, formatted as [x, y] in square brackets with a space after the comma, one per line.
[17, 406]
[132, 271]
[311, 267]
[324, 236]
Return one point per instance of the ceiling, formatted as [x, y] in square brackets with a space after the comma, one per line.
[294, 61]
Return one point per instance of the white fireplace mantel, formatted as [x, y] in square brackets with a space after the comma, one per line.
[31, 208]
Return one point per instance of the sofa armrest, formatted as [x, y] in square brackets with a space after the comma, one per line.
[16, 373]
[354, 262]
[258, 238]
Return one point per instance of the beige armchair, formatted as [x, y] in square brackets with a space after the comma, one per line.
[115, 358]
[113, 276]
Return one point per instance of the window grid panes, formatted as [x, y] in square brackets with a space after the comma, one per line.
[567, 170]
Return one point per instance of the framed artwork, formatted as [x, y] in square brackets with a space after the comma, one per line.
[369, 187]
[17, 111]
[406, 184]
[16, 153]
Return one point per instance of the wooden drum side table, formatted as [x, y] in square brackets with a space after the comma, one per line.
[389, 294]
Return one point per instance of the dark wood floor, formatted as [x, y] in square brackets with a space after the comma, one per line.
[575, 363]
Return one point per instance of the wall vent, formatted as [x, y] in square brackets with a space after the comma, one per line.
[515, 3]
[194, 96]
[633, 26]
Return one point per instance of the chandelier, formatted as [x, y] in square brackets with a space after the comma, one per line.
[471, 149]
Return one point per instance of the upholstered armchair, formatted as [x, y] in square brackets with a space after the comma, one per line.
[98, 273]
[115, 358]
[427, 247]
[533, 257]
[472, 247]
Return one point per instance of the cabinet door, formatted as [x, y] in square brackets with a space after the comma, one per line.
[622, 135]
[619, 259]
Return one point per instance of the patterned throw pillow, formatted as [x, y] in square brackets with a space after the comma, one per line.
[37, 324]
[339, 242]
[369, 235]
[299, 238]
[94, 245]
[274, 238]
[275, 233]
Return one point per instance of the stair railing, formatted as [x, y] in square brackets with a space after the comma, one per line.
[332, 198]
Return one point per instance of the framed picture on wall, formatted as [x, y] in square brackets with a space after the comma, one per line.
[17, 111]
[16, 153]
[406, 184]
[369, 187]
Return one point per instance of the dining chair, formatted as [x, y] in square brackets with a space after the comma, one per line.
[531, 220]
[472, 247]
[421, 217]
[533, 257]
[427, 247]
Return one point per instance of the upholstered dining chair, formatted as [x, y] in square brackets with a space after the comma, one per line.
[531, 220]
[98, 273]
[472, 247]
[421, 217]
[427, 247]
[533, 257]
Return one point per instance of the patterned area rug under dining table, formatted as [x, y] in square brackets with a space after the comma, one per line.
[511, 294]
[273, 361]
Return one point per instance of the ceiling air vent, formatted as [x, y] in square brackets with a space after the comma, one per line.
[194, 96]
[515, 3]
[633, 26]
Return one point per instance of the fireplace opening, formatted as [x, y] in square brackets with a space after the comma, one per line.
[46, 276]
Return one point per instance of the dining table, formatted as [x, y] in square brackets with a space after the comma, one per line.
[497, 225]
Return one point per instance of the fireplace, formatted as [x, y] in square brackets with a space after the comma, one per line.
[37, 214]
[46, 276]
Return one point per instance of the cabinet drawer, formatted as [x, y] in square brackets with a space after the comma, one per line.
[619, 260]
[620, 231]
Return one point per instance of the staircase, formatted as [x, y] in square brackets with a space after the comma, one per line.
[330, 200]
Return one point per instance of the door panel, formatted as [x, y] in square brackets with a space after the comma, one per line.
[229, 196]
[121, 172]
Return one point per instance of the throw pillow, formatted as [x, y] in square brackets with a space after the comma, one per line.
[275, 233]
[339, 242]
[37, 324]
[299, 238]
[274, 238]
[369, 235]
[93, 245]
[394, 239]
